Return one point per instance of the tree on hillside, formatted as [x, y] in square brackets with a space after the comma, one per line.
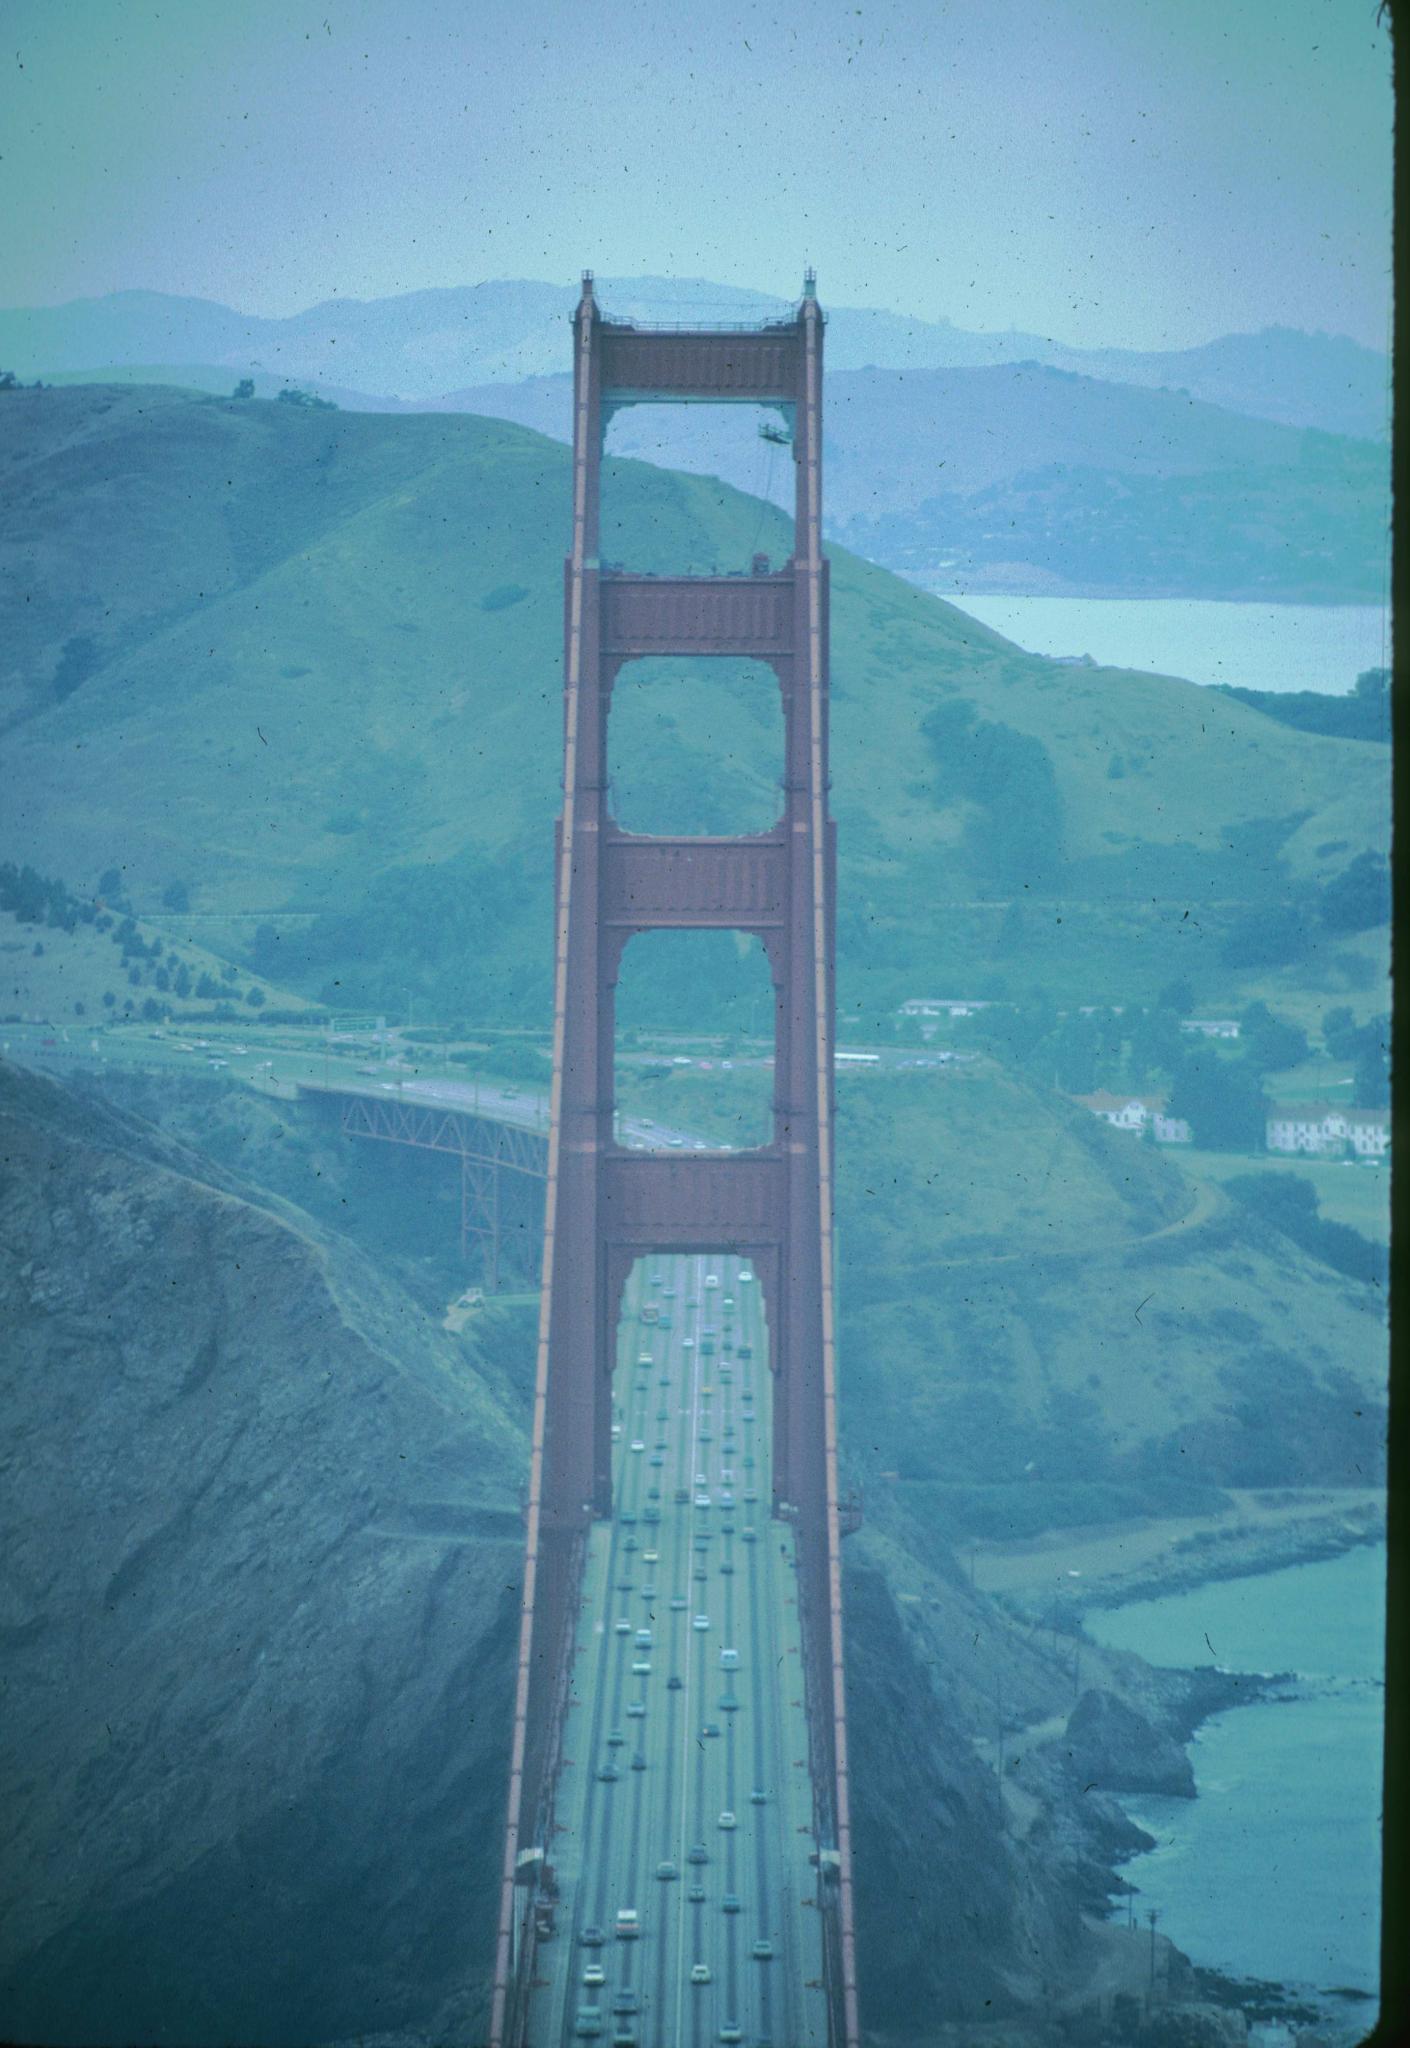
[1358, 899]
[290, 395]
[244, 389]
[1157, 1043]
[1271, 1043]
[1177, 995]
[1221, 1100]
[1372, 1079]
[176, 896]
[1345, 1039]
[1008, 775]
[1272, 937]
[1071, 1055]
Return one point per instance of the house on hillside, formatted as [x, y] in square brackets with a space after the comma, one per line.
[943, 1006]
[1136, 1113]
[926, 1011]
[1210, 1027]
[1321, 1130]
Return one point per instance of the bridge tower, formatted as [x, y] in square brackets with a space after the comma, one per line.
[608, 1205]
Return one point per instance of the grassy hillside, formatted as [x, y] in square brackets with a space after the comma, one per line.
[1113, 1340]
[309, 660]
[1046, 1322]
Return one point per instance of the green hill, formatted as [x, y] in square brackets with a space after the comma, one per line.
[307, 660]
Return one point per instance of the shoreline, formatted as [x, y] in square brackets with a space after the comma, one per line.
[1057, 1578]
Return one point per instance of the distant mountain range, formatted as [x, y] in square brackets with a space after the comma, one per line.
[424, 345]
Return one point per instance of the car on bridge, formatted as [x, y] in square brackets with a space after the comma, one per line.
[592, 1937]
[700, 1973]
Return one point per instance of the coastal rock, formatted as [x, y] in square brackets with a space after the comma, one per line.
[1196, 2026]
[1113, 1748]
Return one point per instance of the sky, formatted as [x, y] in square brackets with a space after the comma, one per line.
[1139, 173]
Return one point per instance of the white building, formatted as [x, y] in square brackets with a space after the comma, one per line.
[943, 1006]
[1211, 1027]
[1325, 1131]
[1134, 1112]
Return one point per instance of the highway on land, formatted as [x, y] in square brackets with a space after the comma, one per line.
[269, 1061]
[684, 1794]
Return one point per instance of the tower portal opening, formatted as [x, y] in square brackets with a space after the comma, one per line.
[694, 1045]
[695, 745]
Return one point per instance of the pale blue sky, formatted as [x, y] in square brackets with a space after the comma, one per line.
[1139, 172]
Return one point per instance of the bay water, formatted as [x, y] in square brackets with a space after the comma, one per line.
[1256, 646]
[1273, 1871]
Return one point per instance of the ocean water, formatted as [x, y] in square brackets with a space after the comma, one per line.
[1257, 646]
[1274, 1870]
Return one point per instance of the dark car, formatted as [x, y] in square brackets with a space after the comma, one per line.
[673, 1683]
[592, 1937]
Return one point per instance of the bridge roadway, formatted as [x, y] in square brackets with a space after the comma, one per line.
[687, 1422]
[245, 1055]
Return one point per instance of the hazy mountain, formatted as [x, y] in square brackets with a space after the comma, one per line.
[422, 344]
[1017, 477]
[1033, 478]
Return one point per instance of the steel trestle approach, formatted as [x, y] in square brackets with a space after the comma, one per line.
[608, 1206]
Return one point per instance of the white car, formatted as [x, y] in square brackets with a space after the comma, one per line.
[637, 1444]
[701, 1621]
[623, 1627]
[727, 1820]
[745, 1276]
[594, 1974]
[700, 1973]
[712, 1279]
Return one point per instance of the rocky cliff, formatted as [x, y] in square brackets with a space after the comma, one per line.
[261, 1512]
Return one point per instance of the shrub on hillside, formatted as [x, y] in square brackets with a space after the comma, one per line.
[1289, 1202]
